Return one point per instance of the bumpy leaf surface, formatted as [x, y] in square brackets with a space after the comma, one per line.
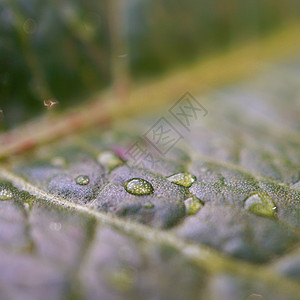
[70, 229]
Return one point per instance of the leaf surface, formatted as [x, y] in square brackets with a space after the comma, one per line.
[71, 230]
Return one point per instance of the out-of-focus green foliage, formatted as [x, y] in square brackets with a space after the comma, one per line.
[64, 50]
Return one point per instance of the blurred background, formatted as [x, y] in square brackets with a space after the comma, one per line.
[66, 51]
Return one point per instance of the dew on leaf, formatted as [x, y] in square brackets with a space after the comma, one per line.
[192, 205]
[54, 226]
[29, 26]
[149, 205]
[138, 186]
[82, 180]
[26, 207]
[58, 161]
[261, 204]
[184, 179]
[6, 194]
[109, 160]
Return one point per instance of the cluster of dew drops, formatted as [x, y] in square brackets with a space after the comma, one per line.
[258, 203]
[142, 187]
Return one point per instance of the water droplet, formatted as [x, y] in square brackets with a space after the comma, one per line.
[138, 186]
[261, 204]
[184, 179]
[149, 205]
[55, 226]
[27, 206]
[192, 205]
[6, 194]
[58, 161]
[29, 26]
[82, 180]
[109, 160]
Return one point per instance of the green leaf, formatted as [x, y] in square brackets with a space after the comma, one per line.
[71, 228]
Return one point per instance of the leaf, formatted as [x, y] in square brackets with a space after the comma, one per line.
[71, 230]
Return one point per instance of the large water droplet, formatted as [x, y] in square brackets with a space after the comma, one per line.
[261, 204]
[138, 186]
[82, 180]
[109, 160]
[6, 194]
[184, 179]
[192, 205]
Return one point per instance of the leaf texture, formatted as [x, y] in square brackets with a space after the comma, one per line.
[71, 230]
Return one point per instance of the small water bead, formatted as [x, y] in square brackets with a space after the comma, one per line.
[184, 179]
[29, 26]
[261, 204]
[149, 205]
[54, 226]
[6, 194]
[138, 186]
[58, 161]
[192, 205]
[109, 160]
[82, 180]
